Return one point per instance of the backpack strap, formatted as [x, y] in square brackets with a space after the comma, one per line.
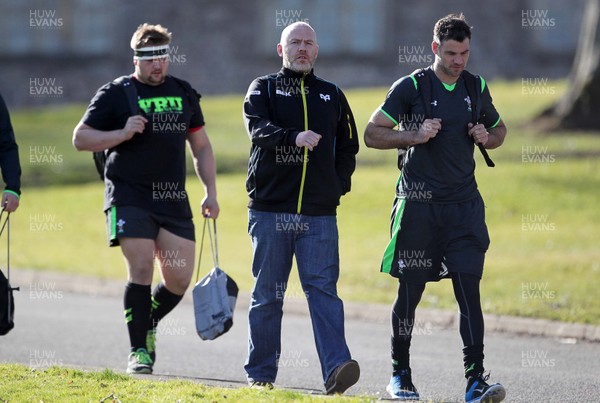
[130, 91]
[128, 87]
[425, 91]
[192, 95]
[473, 85]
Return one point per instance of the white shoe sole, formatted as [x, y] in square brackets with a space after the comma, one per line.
[405, 399]
[495, 394]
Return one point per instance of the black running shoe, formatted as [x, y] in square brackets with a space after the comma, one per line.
[478, 391]
[401, 386]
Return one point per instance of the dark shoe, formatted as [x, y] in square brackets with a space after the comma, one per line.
[261, 385]
[401, 386]
[344, 376]
[139, 362]
[478, 391]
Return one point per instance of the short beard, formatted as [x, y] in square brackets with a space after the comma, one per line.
[450, 73]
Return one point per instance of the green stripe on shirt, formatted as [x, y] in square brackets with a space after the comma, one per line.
[389, 117]
[495, 124]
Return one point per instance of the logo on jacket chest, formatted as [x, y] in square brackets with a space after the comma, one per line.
[297, 91]
[290, 87]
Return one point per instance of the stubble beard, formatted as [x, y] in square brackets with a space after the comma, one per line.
[298, 67]
[448, 71]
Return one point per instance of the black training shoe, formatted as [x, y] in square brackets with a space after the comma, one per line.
[401, 386]
[342, 377]
[478, 391]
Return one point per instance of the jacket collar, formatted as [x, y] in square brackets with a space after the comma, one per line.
[294, 74]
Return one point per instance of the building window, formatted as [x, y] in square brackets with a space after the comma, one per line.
[56, 27]
[342, 26]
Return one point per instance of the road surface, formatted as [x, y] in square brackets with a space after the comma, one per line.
[55, 326]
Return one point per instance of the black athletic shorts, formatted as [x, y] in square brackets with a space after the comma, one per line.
[135, 222]
[429, 241]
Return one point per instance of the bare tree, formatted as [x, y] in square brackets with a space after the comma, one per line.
[579, 107]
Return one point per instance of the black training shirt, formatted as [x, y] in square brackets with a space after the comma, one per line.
[149, 170]
[443, 169]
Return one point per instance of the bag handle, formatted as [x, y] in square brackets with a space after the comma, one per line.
[7, 225]
[213, 246]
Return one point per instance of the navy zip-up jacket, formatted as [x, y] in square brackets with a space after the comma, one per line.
[9, 152]
[281, 176]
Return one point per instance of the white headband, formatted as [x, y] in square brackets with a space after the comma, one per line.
[151, 52]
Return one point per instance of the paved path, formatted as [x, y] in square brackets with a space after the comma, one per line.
[55, 326]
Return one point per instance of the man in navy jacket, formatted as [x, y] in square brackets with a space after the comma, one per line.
[9, 161]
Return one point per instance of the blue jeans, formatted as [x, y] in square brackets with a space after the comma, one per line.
[276, 238]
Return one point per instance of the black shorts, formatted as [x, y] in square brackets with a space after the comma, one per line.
[429, 240]
[135, 222]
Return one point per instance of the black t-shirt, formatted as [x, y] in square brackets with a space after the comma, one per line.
[443, 169]
[149, 170]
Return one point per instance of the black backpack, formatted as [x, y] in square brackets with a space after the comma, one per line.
[472, 83]
[134, 108]
[7, 305]
[7, 301]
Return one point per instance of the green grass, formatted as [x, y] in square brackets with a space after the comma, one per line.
[20, 383]
[546, 270]
[47, 156]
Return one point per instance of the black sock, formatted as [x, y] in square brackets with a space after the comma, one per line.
[473, 360]
[137, 313]
[403, 319]
[163, 302]
[400, 356]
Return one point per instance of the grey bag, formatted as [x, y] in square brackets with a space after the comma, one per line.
[214, 295]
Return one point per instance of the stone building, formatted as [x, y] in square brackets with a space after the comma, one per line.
[60, 51]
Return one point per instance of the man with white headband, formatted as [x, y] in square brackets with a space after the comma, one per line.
[147, 209]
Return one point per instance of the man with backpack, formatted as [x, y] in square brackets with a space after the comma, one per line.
[438, 225]
[147, 209]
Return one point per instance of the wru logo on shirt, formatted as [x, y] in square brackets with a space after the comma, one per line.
[166, 112]
[161, 105]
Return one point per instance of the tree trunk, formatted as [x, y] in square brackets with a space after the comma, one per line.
[579, 107]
